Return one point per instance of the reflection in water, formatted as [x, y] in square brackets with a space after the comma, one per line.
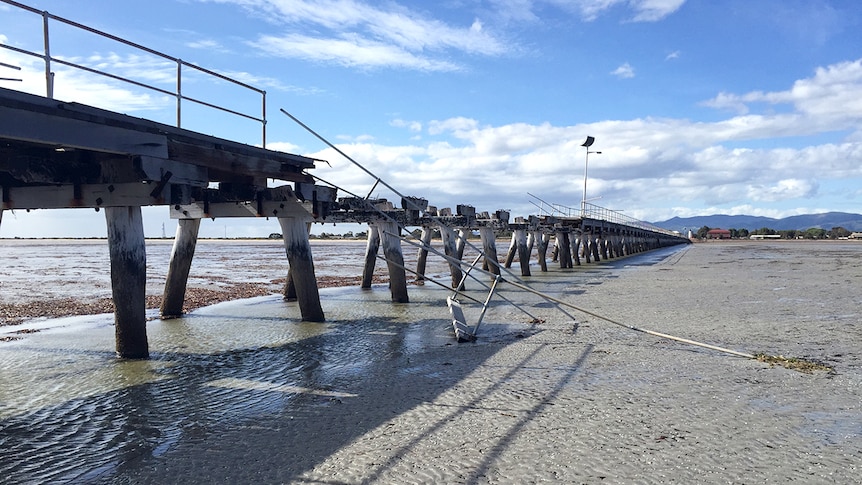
[72, 412]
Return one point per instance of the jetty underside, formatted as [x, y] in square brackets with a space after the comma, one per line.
[67, 155]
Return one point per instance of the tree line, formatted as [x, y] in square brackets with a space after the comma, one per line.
[810, 233]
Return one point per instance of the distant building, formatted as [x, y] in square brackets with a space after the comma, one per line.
[765, 236]
[856, 235]
[718, 234]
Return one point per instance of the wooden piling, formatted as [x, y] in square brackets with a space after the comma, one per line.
[489, 247]
[394, 260]
[450, 250]
[513, 249]
[564, 246]
[298, 249]
[289, 292]
[460, 243]
[371, 249]
[595, 245]
[422, 257]
[179, 267]
[128, 255]
[543, 240]
[576, 244]
[523, 251]
[586, 250]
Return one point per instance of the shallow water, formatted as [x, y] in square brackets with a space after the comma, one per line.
[244, 391]
[71, 412]
[80, 269]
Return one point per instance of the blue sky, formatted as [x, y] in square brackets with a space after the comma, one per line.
[698, 107]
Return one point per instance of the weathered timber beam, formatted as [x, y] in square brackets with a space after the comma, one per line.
[211, 210]
[46, 129]
[225, 165]
[84, 195]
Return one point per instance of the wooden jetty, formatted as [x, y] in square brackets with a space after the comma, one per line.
[56, 154]
[66, 155]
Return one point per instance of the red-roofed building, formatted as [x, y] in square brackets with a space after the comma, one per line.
[718, 234]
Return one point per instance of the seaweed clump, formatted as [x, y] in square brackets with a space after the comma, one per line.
[793, 363]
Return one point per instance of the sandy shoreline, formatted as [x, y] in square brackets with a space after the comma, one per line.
[382, 394]
[25, 297]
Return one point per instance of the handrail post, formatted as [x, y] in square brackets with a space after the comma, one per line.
[179, 92]
[263, 117]
[49, 76]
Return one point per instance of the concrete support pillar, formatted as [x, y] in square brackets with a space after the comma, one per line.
[371, 249]
[450, 250]
[298, 249]
[523, 251]
[394, 261]
[179, 267]
[489, 247]
[128, 280]
[422, 257]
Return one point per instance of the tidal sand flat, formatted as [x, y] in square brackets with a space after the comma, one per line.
[243, 392]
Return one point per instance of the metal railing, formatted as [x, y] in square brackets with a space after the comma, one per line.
[180, 65]
[592, 211]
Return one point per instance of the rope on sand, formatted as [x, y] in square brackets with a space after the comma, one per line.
[630, 327]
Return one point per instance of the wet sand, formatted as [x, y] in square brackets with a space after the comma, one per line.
[241, 392]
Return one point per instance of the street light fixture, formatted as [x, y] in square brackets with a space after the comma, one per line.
[587, 144]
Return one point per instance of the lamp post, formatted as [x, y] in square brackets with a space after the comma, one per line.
[587, 144]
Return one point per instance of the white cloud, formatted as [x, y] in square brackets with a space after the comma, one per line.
[413, 126]
[643, 10]
[833, 94]
[645, 163]
[673, 55]
[358, 34]
[350, 51]
[625, 71]
[207, 44]
[783, 190]
[654, 10]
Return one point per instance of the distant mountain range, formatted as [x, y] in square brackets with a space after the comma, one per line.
[828, 220]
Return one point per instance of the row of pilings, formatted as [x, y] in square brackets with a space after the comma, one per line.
[571, 242]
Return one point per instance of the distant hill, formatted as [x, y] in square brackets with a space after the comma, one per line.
[828, 220]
